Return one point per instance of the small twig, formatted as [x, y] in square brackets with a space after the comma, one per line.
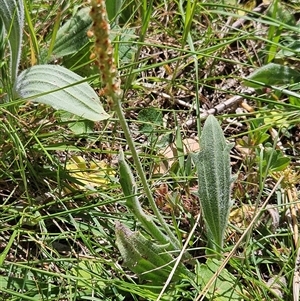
[231, 102]
[296, 278]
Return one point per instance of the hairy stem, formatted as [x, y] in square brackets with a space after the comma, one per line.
[139, 169]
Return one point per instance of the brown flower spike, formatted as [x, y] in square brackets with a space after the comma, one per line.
[103, 51]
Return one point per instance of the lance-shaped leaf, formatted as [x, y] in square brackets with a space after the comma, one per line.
[144, 257]
[113, 9]
[272, 74]
[214, 177]
[60, 88]
[12, 15]
[72, 35]
[129, 188]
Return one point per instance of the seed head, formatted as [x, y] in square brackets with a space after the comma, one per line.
[103, 51]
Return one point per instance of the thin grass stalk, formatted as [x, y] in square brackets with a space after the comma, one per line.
[187, 19]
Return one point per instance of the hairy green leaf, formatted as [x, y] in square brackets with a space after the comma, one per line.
[214, 177]
[129, 188]
[273, 74]
[72, 35]
[145, 258]
[227, 287]
[60, 88]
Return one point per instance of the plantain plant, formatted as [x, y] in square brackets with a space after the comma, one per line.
[213, 164]
[63, 89]
[133, 246]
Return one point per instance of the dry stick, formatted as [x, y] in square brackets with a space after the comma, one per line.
[296, 278]
[204, 291]
[233, 101]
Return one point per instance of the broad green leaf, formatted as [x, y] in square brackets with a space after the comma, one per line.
[126, 47]
[292, 49]
[76, 125]
[280, 12]
[273, 160]
[226, 287]
[85, 272]
[273, 74]
[80, 58]
[60, 88]
[12, 15]
[72, 36]
[150, 118]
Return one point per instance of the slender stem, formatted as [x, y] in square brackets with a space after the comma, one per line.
[140, 171]
[129, 187]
